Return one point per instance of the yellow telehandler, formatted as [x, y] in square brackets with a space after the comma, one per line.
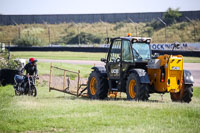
[131, 68]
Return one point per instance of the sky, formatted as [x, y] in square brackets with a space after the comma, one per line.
[93, 6]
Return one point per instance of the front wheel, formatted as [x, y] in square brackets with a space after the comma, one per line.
[97, 86]
[33, 91]
[17, 92]
[136, 90]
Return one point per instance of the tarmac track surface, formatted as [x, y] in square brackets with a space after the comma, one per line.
[194, 68]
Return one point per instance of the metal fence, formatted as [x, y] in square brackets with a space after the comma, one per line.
[66, 81]
[46, 34]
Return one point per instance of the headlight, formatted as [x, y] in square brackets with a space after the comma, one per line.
[191, 78]
[148, 40]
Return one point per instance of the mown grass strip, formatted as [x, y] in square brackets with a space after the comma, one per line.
[77, 56]
[60, 55]
[58, 112]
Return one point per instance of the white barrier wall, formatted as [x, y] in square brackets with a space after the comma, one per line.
[183, 46]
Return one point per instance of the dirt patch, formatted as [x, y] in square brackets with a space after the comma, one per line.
[43, 78]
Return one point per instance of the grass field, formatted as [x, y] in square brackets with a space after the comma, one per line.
[61, 55]
[59, 112]
[191, 59]
[77, 56]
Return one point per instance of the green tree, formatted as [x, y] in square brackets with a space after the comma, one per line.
[172, 16]
[6, 63]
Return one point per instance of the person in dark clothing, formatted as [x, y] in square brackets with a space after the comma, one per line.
[31, 67]
[31, 70]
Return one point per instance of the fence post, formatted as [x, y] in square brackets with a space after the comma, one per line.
[106, 27]
[9, 51]
[78, 87]
[50, 77]
[49, 35]
[165, 28]
[19, 32]
[136, 28]
[193, 26]
[64, 82]
[79, 36]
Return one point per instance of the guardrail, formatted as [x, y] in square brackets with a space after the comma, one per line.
[100, 49]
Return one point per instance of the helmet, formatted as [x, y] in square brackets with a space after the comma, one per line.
[32, 60]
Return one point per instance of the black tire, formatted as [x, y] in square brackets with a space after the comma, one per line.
[97, 86]
[3, 82]
[33, 91]
[136, 90]
[187, 94]
[17, 93]
[184, 96]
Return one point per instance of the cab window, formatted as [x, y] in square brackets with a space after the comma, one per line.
[115, 51]
[141, 51]
[127, 55]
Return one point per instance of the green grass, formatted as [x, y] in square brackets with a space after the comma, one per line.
[77, 56]
[191, 59]
[196, 93]
[59, 112]
[61, 55]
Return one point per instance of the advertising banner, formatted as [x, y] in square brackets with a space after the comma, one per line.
[182, 46]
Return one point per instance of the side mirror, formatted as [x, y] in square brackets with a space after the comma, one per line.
[103, 60]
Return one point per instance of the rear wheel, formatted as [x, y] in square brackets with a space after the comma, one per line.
[183, 96]
[187, 94]
[136, 90]
[97, 86]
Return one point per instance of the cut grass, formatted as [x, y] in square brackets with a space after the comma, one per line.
[196, 92]
[77, 56]
[61, 55]
[191, 59]
[58, 112]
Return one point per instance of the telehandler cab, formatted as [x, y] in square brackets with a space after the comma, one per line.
[131, 68]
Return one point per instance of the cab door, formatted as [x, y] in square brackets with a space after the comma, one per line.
[114, 60]
[127, 56]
